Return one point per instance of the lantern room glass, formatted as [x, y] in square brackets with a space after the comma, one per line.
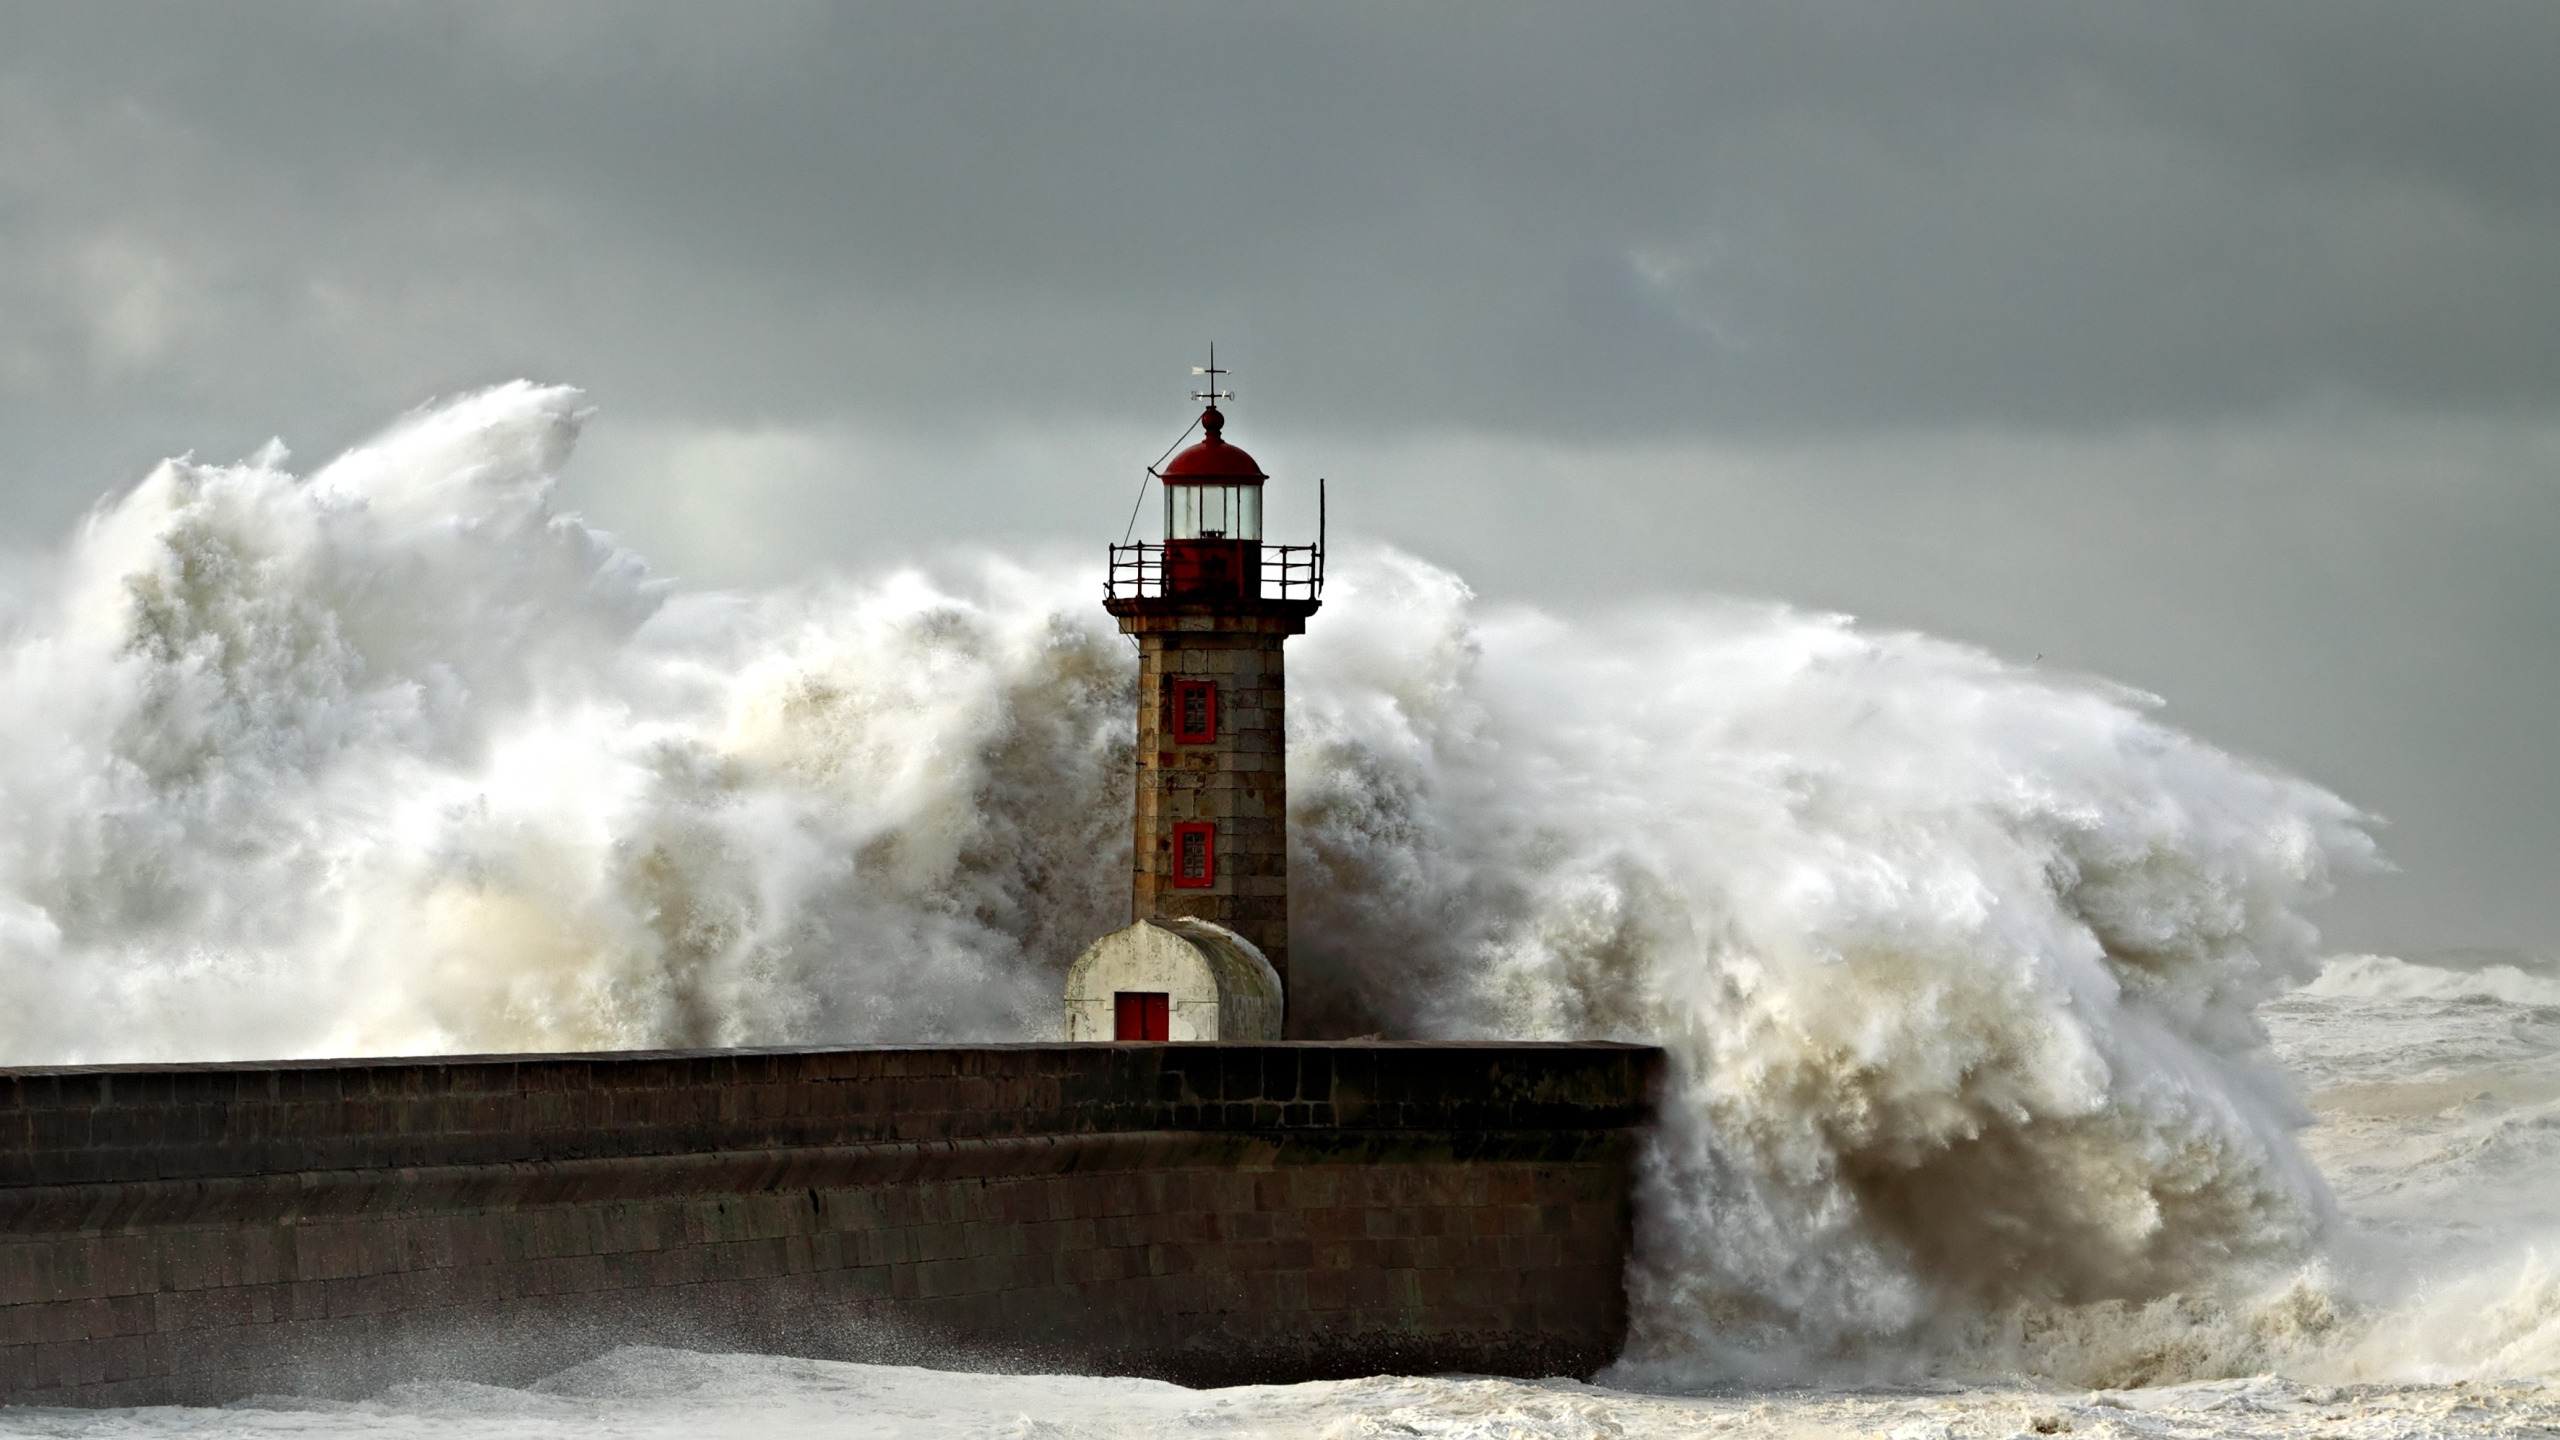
[1212, 512]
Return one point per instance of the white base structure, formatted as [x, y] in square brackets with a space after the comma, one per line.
[1182, 979]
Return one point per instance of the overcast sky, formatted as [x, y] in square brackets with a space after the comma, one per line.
[2211, 347]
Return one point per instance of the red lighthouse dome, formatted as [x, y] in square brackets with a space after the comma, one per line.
[1212, 461]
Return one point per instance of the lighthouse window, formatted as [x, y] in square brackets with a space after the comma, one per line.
[1195, 712]
[1213, 512]
[1195, 855]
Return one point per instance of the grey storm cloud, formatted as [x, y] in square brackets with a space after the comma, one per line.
[2214, 347]
[1676, 218]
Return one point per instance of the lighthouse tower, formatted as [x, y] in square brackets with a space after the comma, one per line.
[1209, 607]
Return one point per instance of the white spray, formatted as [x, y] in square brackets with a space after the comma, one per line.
[396, 759]
[1956, 962]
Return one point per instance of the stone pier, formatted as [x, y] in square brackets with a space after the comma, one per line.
[1209, 1213]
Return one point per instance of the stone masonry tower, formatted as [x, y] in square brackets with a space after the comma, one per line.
[1209, 608]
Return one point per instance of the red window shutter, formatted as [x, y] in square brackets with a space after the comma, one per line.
[1141, 1015]
[1195, 855]
[1195, 712]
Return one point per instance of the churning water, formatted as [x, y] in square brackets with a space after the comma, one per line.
[1996, 1021]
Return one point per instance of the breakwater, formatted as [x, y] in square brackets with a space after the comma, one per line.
[1204, 1213]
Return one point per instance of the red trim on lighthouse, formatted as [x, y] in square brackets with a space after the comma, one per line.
[1195, 855]
[1195, 712]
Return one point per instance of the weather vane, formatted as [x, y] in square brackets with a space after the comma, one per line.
[1213, 394]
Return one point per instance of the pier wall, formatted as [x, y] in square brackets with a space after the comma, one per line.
[1210, 1213]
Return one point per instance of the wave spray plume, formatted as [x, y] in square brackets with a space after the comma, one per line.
[1956, 962]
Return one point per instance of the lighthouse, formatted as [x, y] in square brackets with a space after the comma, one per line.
[1209, 607]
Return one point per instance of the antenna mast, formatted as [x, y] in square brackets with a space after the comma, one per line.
[1213, 394]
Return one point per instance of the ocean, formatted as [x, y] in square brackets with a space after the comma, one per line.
[2015, 1091]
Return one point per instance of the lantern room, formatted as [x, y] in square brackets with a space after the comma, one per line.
[1212, 518]
[1212, 491]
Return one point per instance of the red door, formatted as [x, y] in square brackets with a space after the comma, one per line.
[1141, 1015]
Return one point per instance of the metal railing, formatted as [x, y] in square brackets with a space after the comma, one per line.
[1285, 572]
[1293, 572]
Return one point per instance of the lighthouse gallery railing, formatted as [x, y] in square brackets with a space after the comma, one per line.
[1289, 572]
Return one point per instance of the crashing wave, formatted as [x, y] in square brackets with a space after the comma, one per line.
[1956, 961]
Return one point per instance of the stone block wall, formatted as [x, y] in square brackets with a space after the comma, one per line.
[1207, 1213]
[1237, 781]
